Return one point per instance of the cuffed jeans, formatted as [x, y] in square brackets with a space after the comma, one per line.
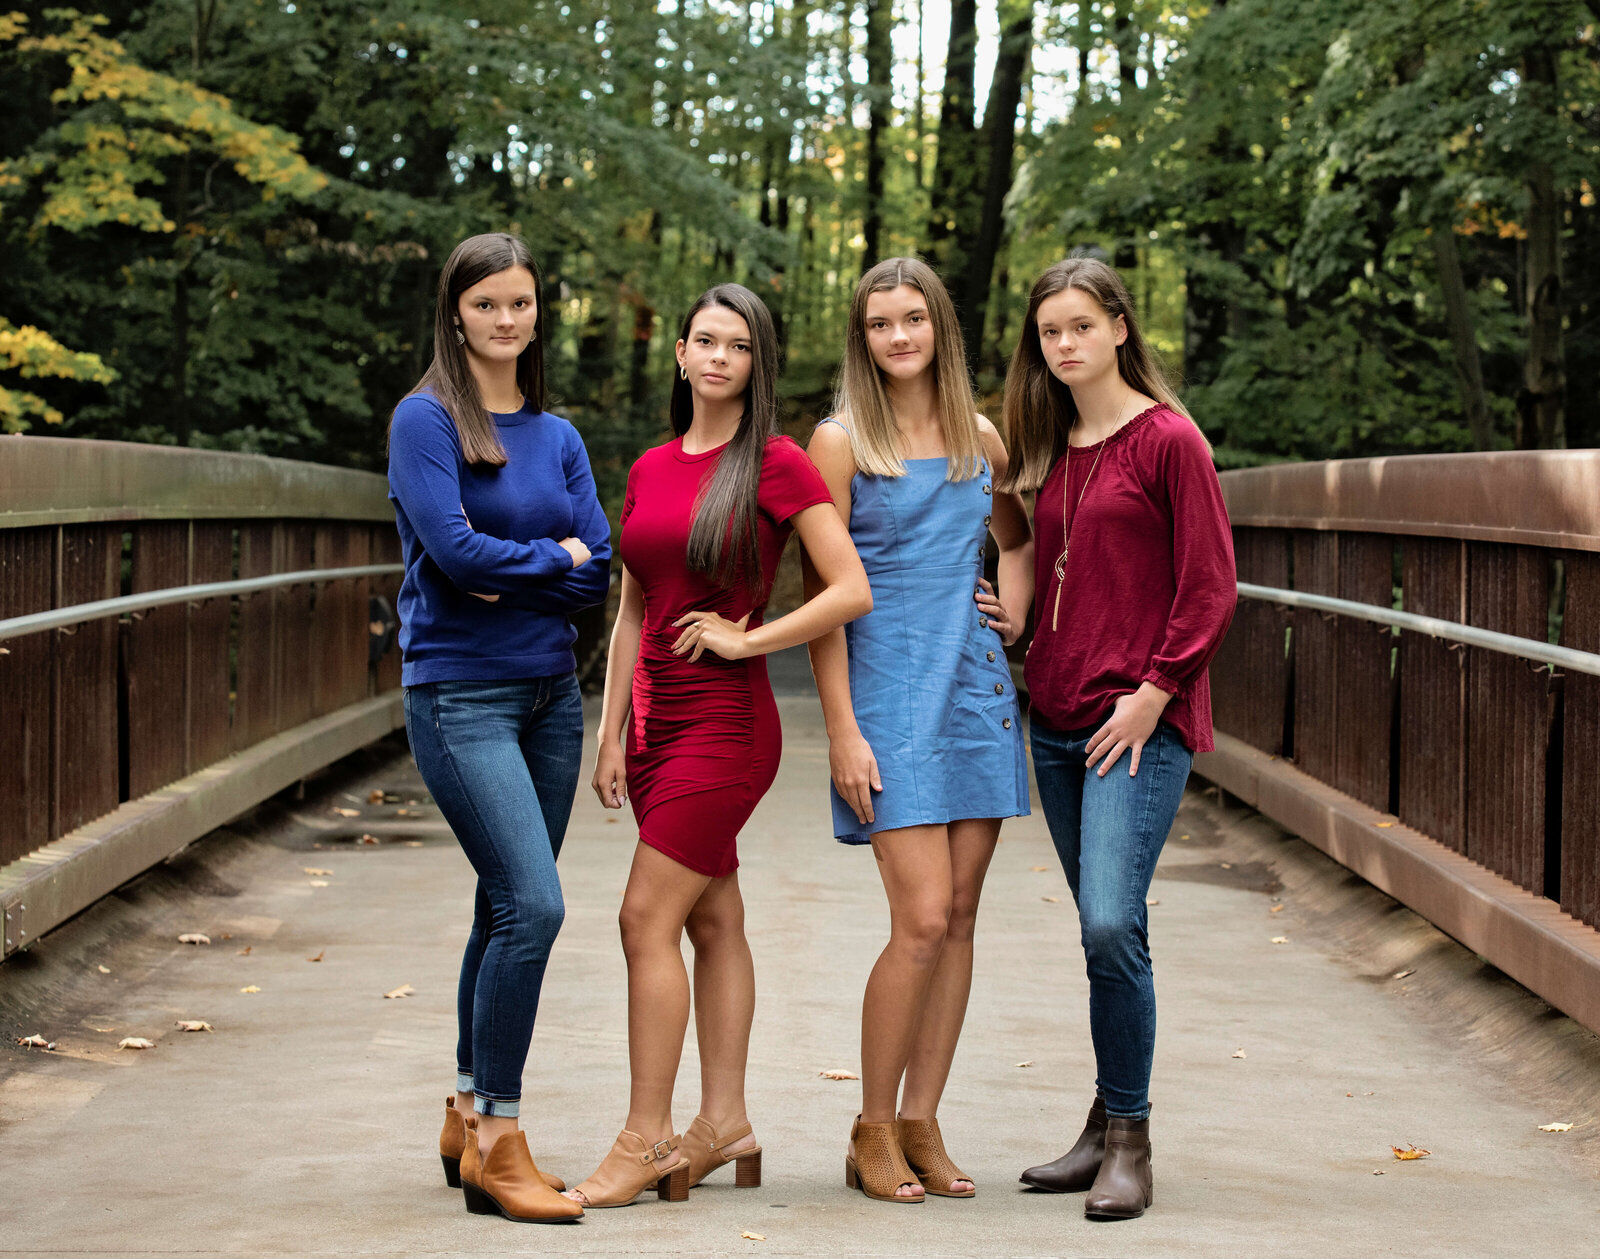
[1108, 833]
[501, 761]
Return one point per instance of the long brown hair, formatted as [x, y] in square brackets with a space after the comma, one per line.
[449, 377]
[861, 400]
[723, 540]
[1039, 411]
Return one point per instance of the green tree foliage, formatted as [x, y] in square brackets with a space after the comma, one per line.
[1354, 226]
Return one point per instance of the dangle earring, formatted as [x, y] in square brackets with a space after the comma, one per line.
[461, 337]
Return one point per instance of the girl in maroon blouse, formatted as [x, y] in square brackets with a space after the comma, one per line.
[689, 729]
[1136, 587]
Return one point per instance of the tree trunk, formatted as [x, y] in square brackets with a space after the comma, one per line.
[917, 118]
[1463, 339]
[1542, 408]
[956, 180]
[880, 66]
[999, 152]
[1126, 37]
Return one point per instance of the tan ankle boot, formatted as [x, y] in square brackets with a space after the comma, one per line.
[453, 1141]
[923, 1145]
[508, 1183]
[632, 1167]
[705, 1149]
[875, 1165]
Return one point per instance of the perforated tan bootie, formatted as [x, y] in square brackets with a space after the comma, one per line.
[875, 1164]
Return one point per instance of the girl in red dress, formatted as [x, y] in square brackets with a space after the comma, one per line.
[689, 731]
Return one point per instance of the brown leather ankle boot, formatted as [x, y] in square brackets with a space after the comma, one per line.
[1125, 1185]
[1075, 1170]
[507, 1183]
[453, 1141]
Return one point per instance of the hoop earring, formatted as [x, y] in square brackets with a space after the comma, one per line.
[683, 372]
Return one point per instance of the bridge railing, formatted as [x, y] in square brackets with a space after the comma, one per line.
[1463, 777]
[127, 728]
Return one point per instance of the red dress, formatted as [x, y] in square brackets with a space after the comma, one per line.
[703, 741]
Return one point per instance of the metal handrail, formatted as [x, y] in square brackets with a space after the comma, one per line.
[77, 613]
[1471, 635]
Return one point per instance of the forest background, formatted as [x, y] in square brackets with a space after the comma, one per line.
[1353, 227]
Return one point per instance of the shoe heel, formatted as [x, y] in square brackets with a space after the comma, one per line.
[452, 1171]
[747, 1171]
[478, 1202]
[851, 1179]
[674, 1187]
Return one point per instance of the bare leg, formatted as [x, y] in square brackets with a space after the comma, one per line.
[914, 863]
[724, 1005]
[945, 1007]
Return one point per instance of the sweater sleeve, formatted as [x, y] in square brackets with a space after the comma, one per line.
[1202, 560]
[587, 584]
[425, 474]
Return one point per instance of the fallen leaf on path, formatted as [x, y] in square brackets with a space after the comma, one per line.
[838, 1073]
[1183, 837]
[1051, 900]
[319, 883]
[1383, 826]
[250, 988]
[404, 990]
[1038, 869]
[368, 839]
[348, 812]
[1238, 1053]
[104, 970]
[1028, 1063]
[402, 812]
[135, 1042]
[375, 796]
[753, 1237]
[1409, 1153]
[36, 1041]
[193, 1025]
[1226, 865]
[1555, 1127]
[1151, 900]
[413, 843]
[314, 870]
[1276, 909]
[1349, 1094]
[1280, 939]
[318, 957]
[1401, 974]
[245, 952]
[194, 937]
[1378, 1173]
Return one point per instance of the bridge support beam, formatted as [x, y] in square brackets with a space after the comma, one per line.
[48, 886]
[1526, 936]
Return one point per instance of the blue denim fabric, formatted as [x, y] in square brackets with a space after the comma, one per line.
[501, 761]
[1108, 833]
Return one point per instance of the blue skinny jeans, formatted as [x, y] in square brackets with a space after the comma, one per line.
[1108, 833]
[501, 761]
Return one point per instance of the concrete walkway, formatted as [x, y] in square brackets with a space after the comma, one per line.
[306, 1121]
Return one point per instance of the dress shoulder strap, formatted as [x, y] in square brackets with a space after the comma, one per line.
[832, 419]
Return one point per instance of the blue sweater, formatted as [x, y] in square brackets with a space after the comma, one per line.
[518, 515]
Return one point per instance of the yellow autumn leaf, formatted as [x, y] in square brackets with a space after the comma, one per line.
[136, 1042]
[404, 990]
[193, 1025]
[1555, 1127]
[251, 988]
[753, 1237]
[1409, 1153]
[838, 1073]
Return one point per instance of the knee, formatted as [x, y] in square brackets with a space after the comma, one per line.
[717, 928]
[920, 930]
[641, 930]
[1111, 938]
[538, 919]
[963, 918]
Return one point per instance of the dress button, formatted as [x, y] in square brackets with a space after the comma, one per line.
[987, 490]
[990, 654]
[983, 622]
[999, 689]
[1006, 723]
[986, 520]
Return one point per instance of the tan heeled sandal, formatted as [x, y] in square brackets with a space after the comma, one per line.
[508, 1183]
[453, 1142]
[632, 1167]
[705, 1151]
[875, 1164]
[923, 1145]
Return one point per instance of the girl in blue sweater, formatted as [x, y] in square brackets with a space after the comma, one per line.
[503, 539]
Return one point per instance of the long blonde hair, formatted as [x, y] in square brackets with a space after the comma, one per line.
[862, 403]
[1039, 410]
